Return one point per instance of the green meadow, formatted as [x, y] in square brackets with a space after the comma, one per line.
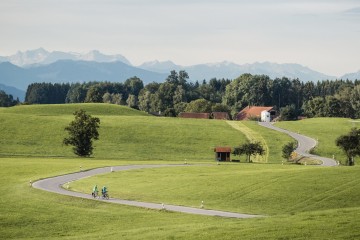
[125, 134]
[299, 202]
[325, 131]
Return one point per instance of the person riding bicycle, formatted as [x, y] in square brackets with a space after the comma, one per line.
[95, 191]
[104, 191]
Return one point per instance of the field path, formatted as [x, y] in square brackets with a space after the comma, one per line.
[54, 184]
[305, 144]
[252, 135]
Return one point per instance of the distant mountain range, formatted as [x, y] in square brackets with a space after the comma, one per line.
[39, 65]
[231, 70]
[16, 93]
[352, 76]
[67, 71]
[42, 57]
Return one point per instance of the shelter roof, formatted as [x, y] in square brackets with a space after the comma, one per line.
[222, 149]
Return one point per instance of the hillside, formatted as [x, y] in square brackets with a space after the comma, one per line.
[97, 109]
[319, 129]
[125, 134]
[300, 202]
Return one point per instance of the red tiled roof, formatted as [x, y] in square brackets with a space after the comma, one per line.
[222, 149]
[253, 111]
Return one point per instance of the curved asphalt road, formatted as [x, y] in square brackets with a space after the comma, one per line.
[54, 184]
[305, 144]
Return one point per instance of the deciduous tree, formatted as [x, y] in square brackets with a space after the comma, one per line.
[288, 149]
[350, 144]
[82, 131]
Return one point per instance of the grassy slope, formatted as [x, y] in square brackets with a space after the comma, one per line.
[325, 130]
[274, 140]
[252, 136]
[68, 109]
[256, 188]
[124, 133]
[31, 213]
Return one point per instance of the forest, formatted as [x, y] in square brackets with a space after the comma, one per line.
[7, 100]
[293, 98]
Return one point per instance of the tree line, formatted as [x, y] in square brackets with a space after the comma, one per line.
[7, 100]
[337, 98]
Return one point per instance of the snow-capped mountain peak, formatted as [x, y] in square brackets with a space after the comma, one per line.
[41, 56]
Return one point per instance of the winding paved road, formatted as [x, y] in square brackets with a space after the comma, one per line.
[55, 184]
[305, 144]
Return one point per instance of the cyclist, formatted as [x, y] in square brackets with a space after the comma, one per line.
[104, 191]
[95, 191]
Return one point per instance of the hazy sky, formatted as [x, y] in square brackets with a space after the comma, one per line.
[323, 35]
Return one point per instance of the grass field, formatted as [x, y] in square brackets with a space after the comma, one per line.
[301, 202]
[240, 184]
[28, 213]
[325, 131]
[124, 134]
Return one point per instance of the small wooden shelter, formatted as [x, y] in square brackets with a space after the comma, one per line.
[222, 153]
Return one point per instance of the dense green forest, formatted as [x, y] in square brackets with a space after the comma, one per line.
[338, 98]
[7, 100]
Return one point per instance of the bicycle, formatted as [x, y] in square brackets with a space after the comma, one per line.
[95, 194]
[105, 196]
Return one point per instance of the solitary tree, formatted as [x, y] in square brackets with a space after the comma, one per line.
[288, 149]
[249, 149]
[82, 131]
[350, 144]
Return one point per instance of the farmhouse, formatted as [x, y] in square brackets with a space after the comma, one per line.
[265, 114]
[222, 153]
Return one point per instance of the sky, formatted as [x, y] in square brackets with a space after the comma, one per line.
[322, 35]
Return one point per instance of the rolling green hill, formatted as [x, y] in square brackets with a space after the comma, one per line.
[127, 134]
[69, 109]
[325, 131]
[300, 202]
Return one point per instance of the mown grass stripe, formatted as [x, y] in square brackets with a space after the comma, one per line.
[253, 137]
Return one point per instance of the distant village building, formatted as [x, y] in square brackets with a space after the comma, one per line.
[222, 153]
[194, 115]
[265, 116]
[260, 113]
[213, 115]
[220, 115]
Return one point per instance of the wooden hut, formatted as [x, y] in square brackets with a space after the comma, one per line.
[222, 153]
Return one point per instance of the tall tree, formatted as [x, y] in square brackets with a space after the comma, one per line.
[7, 100]
[199, 106]
[350, 144]
[82, 131]
[134, 85]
